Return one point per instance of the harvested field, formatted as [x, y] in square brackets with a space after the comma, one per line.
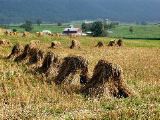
[26, 96]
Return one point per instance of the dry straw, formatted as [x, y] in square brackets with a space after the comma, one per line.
[4, 42]
[75, 44]
[120, 43]
[35, 56]
[55, 44]
[50, 62]
[25, 53]
[71, 65]
[112, 43]
[16, 51]
[107, 79]
[100, 44]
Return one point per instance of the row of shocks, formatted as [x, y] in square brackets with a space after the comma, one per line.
[76, 44]
[107, 78]
[38, 34]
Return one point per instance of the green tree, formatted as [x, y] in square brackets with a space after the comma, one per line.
[14, 30]
[59, 24]
[111, 25]
[39, 22]
[83, 26]
[131, 29]
[98, 29]
[86, 27]
[27, 26]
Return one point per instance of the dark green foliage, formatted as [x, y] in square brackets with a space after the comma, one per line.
[59, 24]
[83, 26]
[111, 25]
[39, 22]
[86, 27]
[97, 29]
[14, 30]
[27, 26]
[131, 29]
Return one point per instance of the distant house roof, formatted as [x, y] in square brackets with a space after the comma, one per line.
[71, 29]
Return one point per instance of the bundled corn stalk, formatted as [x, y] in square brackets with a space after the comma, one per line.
[16, 51]
[55, 44]
[107, 79]
[71, 65]
[25, 34]
[50, 62]
[25, 54]
[100, 44]
[4, 42]
[35, 56]
[39, 34]
[6, 32]
[75, 44]
[112, 43]
[120, 43]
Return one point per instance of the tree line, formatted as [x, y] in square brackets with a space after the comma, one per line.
[98, 28]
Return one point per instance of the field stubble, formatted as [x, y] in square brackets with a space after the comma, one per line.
[26, 96]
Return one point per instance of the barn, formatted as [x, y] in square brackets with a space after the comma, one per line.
[72, 31]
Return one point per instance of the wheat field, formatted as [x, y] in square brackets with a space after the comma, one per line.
[25, 95]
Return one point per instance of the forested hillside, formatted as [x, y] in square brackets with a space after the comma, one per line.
[15, 11]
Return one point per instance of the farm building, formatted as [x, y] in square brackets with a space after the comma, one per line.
[46, 32]
[72, 31]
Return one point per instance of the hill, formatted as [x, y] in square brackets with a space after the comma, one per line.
[15, 11]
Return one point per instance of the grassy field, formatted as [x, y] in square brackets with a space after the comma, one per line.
[150, 31]
[139, 32]
[25, 95]
[52, 27]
